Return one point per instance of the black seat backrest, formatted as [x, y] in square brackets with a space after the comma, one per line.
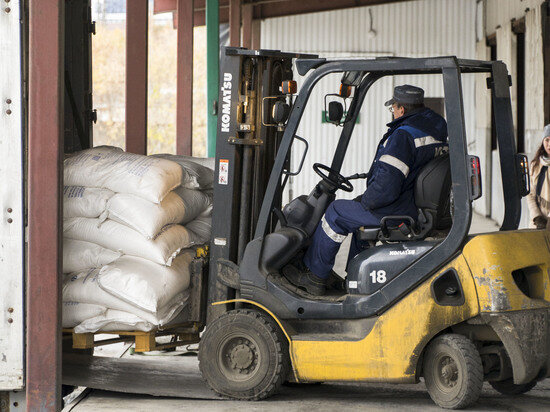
[432, 191]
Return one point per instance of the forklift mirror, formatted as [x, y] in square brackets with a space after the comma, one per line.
[335, 112]
[352, 78]
[280, 112]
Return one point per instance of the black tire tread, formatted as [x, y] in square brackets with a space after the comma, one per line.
[509, 388]
[283, 359]
[473, 364]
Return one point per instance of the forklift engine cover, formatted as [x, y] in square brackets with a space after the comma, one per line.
[375, 267]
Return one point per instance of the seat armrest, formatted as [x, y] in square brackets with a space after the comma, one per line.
[367, 233]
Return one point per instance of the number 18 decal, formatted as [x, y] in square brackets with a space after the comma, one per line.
[378, 276]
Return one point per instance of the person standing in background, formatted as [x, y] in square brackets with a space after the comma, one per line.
[539, 197]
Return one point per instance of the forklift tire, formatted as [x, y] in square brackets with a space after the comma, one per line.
[509, 388]
[453, 371]
[244, 355]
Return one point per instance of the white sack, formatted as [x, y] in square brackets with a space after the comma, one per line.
[208, 162]
[83, 287]
[196, 202]
[195, 175]
[145, 284]
[201, 227]
[115, 236]
[79, 255]
[110, 167]
[76, 312]
[79, 201]
[114, 320]
[148, 218]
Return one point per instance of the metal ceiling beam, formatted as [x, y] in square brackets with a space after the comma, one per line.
[165, 6]
[279, 8]
[264, 9]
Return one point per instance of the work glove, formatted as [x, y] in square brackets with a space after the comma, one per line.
[540, 222]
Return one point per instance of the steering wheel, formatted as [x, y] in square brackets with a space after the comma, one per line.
[333, 177]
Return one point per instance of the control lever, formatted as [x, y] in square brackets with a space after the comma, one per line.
[357, 176]
[280, 217]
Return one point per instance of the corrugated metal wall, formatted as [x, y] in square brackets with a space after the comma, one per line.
[411, 29]
[423, 27]
[499, 14]
[499, 11]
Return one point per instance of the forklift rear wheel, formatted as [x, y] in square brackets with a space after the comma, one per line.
[453, 371]
[508, 387]
[244, 355]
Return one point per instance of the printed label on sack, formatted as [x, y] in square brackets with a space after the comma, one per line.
[223, 174]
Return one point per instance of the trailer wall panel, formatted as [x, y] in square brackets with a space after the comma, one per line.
[11, 201]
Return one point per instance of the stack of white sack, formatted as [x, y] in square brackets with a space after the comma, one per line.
[130, 221]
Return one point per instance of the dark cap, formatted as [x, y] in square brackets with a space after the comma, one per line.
[406, 94]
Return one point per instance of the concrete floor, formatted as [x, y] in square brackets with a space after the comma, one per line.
[325, 397]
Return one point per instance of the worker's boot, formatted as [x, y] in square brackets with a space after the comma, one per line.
[335, 282]
[305, 279]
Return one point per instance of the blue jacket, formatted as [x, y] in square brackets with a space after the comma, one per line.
[410, 143]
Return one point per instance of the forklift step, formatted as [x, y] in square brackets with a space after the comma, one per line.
[182, 334]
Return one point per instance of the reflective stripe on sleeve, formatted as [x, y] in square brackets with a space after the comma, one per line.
[425, 141]
[338, 238]
[395, 162]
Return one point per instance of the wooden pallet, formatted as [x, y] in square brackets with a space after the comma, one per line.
[183, 334]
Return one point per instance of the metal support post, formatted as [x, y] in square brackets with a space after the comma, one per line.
[184, 123]
[136, 76]
[235, 23]
[256, 34]
[46, 124]
[213, 69]
[247, 25]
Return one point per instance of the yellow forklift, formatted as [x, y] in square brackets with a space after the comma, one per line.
[444, 306]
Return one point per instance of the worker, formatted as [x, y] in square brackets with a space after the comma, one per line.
[539, 197]
[415, 136]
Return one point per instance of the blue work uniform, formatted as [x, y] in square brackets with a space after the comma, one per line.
[410, 143]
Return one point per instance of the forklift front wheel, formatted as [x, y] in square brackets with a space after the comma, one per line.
[244, 355]
[453, 371]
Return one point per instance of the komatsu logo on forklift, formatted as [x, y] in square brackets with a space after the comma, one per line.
[226, 98]
[402, 252]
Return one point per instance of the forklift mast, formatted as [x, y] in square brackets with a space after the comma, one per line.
[246, 148]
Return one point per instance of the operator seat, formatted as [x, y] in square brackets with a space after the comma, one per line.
[432, 195]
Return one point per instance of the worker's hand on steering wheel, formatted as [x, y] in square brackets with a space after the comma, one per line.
[332, 177]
